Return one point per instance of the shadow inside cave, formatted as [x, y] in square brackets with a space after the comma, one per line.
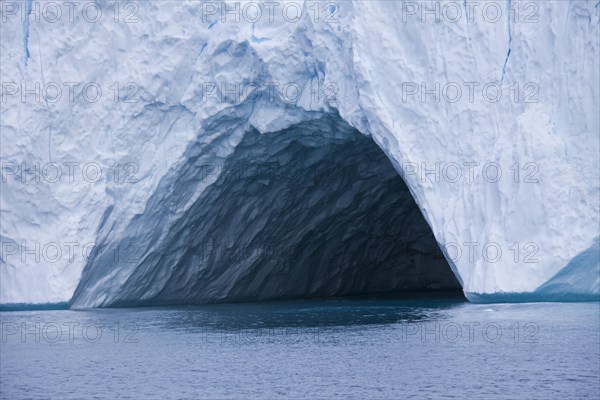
[313, 211]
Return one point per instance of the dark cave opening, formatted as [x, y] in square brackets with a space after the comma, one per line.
[313, 211]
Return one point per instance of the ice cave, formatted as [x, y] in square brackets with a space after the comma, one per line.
[315, 210]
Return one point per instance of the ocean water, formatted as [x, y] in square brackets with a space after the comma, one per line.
[361, 348]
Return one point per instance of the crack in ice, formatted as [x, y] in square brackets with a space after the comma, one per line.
[508, 5]
[28, 8]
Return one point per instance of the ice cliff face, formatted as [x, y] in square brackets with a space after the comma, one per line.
[260, 158]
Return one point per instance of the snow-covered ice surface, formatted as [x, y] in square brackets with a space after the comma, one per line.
[358, 65]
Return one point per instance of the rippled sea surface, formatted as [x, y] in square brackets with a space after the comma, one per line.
[305, 349]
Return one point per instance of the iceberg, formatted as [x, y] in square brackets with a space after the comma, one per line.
[194, 152]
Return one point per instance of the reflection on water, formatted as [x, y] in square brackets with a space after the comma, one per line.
[361, 348]
[305, 313]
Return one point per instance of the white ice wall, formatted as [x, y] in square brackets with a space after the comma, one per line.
[372, 53]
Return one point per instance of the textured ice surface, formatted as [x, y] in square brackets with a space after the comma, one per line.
[368, 55]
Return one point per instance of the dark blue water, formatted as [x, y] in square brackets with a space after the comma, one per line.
[305, 349]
